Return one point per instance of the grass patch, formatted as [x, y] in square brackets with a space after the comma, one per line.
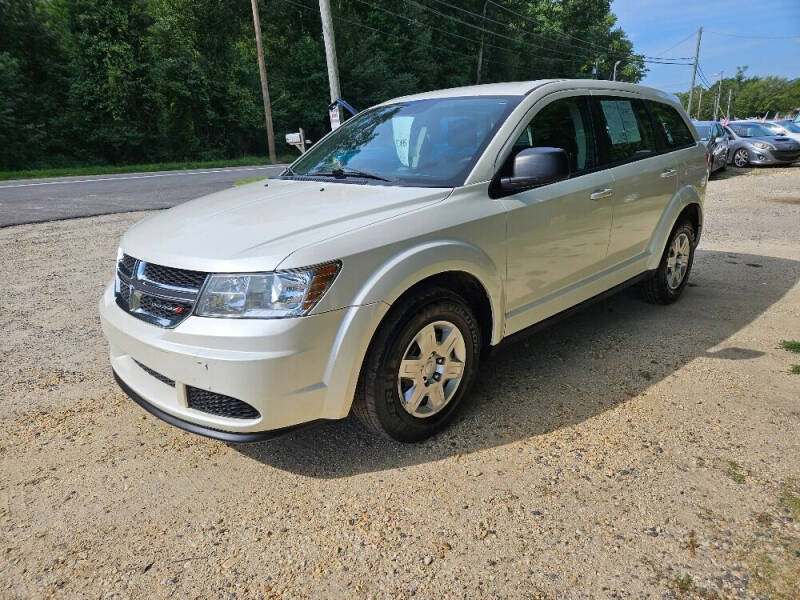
[764, 519]
[790, 498]
[246, 181]
[791, 345]
[682, 583]
[735, 471]
[246, 161]
[794, 369]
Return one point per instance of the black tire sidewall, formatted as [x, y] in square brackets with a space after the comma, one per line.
[394, 419]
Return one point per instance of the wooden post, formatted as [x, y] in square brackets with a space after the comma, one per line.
[262, 70]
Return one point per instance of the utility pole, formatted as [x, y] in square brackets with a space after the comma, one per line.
[699, 103]
[262, 70]
[718, 96]
[480, 49]
[330, 57]
[694, 68]
[728, 112]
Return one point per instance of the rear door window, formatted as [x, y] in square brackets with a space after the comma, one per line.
[625, 130]
[672, 128]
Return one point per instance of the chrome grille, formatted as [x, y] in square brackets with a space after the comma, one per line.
[160, 295]
[217, 404]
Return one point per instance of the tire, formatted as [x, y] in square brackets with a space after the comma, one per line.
[403, 339]
[664, 287]
[741, 158]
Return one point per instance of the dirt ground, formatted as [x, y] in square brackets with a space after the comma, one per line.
[632, 451]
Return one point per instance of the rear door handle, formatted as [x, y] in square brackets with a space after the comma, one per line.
[600, 194]
[668, 173]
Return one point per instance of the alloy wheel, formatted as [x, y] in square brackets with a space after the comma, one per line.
[678, 261]
[741, 158]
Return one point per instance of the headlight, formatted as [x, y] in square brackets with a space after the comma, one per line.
[763, 146]
[266, 295]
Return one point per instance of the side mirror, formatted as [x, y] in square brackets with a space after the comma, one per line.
[534, 167]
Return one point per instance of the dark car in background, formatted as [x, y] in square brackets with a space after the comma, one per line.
[754, 143]
[715, 138]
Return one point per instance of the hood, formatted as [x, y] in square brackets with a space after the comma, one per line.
[779, 141]
[254, 227]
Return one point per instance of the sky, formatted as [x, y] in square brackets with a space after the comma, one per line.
[654, 26]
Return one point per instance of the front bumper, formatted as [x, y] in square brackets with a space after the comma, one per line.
[772, 157]
[292, 371]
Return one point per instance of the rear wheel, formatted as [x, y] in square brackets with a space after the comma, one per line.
[419, 366]
[741, 158]
[670, 278]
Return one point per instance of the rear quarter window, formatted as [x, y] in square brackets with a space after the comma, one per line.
[675, 132]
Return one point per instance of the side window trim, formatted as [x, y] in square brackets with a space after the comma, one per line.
[508, 148]
[597, 117]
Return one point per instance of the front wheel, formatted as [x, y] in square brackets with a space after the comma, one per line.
[670, 278]
[741, 158]
[419, 366]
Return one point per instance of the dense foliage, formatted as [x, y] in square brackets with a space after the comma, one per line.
[121, 81]
[750, 97]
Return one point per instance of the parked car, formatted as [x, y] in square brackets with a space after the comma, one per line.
[378, 270]
[785, 128]
[713, 135]
[754, 143]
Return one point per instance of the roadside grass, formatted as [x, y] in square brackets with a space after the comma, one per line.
[246, 181]
[246, 161]
[735, 472]
[794, 369]
[790, 497]
[791, 345]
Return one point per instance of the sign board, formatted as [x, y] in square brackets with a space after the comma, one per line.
[335, 118]
[293, 138]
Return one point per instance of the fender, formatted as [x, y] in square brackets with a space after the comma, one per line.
[685, 196]
[382, 288]
[402, 271]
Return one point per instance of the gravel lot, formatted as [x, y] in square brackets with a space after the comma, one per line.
[632, 451]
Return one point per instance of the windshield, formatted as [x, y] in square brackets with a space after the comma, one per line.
[747, 130]
[704, 131]
[427, 143]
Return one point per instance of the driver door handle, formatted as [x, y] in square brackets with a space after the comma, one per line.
[668, 173]
[600, 194]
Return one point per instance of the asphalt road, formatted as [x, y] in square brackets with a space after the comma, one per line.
[37, 200]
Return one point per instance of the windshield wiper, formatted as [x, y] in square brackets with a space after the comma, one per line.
[343, 174]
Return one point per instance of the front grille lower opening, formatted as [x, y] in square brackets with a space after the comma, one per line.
[219, 405]
[157, 375]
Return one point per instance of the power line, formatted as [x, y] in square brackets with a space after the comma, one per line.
[490, 32]
[607, 49]
[386, 33]
[530, 20]
[757, 37]
[686, 39]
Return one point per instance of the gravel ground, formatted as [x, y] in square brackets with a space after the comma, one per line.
[632, 451]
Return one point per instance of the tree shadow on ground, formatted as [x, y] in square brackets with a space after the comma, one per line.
[566, 374]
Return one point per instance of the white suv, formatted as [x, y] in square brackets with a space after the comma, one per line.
[377, 270]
